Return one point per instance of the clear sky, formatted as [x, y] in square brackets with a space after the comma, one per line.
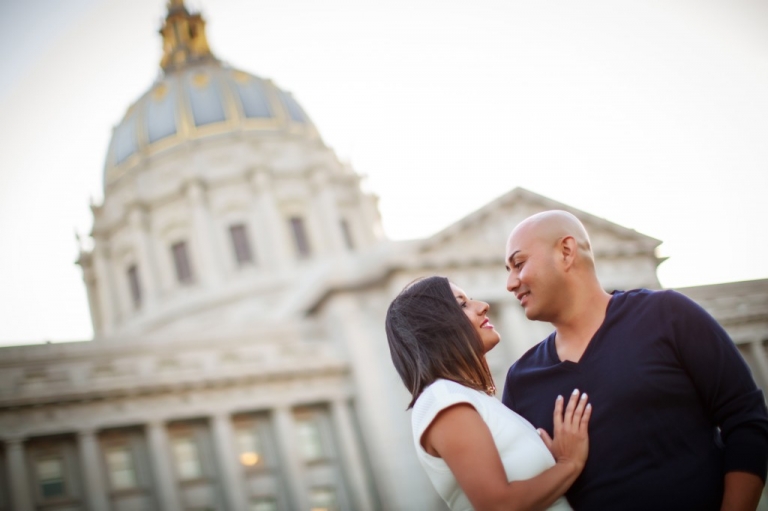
[651, 114]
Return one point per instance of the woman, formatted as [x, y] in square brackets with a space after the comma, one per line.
[477, 453]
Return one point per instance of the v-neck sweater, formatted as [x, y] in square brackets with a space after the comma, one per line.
[674, 405]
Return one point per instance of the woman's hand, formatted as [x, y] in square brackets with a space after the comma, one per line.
[571, 442]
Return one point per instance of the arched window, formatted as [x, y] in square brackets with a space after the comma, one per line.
[135, 285]
[347, 234]
[181, 262]
[241, 245]
[300, 237]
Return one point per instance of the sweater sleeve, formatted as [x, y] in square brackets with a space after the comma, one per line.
[723, 381]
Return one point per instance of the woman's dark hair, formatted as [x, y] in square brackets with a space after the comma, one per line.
[430, 337]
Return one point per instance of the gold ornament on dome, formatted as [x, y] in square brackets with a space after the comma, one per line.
[200, 80]
[184, 40]
[159, 91]
[240, 76]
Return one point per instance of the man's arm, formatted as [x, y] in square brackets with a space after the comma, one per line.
[742, 491]
[730, 396]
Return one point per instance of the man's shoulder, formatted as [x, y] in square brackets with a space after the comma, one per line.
[650, 298]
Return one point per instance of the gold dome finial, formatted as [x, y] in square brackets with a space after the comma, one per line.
[184, 40]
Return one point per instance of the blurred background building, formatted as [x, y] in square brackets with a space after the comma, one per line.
[238, 279]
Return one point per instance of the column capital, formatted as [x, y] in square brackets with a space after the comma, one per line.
[87, 432]
[221, 415]
[260, 178]
[101, 248]
[195, 191]
[156, 423]
[14, 440]
[320, 177]
[137, 215]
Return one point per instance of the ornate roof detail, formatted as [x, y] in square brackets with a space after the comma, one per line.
[197, 96]
[184, 40]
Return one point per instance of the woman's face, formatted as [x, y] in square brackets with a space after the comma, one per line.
[477, 312]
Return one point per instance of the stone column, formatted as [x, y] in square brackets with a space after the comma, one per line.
[758, 352]
[204, 244]
[89, 278]
[93, 472]
[148, 274]
[16, 467]
[162, 466]
[325, 205]
[399, 479]
[105, 288]
[293, 466]
[516, 331]
[351, 455]
[229, 468]
[269, 223]
[370, 212]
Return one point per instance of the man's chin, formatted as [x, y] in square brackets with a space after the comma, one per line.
[532, 314]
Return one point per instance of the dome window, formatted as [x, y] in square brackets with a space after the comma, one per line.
[135, 285]
[125, 139]
[252, 97]
[300, 237]
[161, 114]
[241, 245]
[295, 111]
[205, 100]
[181, 262]
[346, 233]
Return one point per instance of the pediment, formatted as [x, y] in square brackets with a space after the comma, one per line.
[483, 234]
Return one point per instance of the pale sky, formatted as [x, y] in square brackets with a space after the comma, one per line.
[652, 114]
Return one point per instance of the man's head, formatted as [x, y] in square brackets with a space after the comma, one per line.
[548, 256]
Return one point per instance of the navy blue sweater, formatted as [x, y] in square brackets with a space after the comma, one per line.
[674, 405]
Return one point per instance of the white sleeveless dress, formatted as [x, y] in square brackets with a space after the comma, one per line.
[522, 451]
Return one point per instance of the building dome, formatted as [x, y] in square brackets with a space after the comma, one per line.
[196, 96]
[218, 194]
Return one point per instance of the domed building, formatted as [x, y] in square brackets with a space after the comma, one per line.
[237, 282]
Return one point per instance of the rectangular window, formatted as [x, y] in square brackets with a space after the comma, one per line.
[310, 438]
[300, 236]
[135, 285]
[249, 448]
[122, 473]
[187, 457]
[50, 477]
[347, 233]
[322, 499]
[239, 235]
[181, 261]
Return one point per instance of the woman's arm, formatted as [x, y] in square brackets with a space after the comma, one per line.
[460, 436]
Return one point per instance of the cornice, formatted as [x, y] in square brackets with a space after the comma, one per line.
[101, 370]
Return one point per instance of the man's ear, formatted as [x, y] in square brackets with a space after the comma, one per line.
[568, 249]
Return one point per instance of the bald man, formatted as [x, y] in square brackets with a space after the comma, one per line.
[678, 422]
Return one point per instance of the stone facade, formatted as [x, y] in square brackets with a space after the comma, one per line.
[238, 280]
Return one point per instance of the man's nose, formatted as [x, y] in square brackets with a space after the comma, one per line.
[512, 282]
